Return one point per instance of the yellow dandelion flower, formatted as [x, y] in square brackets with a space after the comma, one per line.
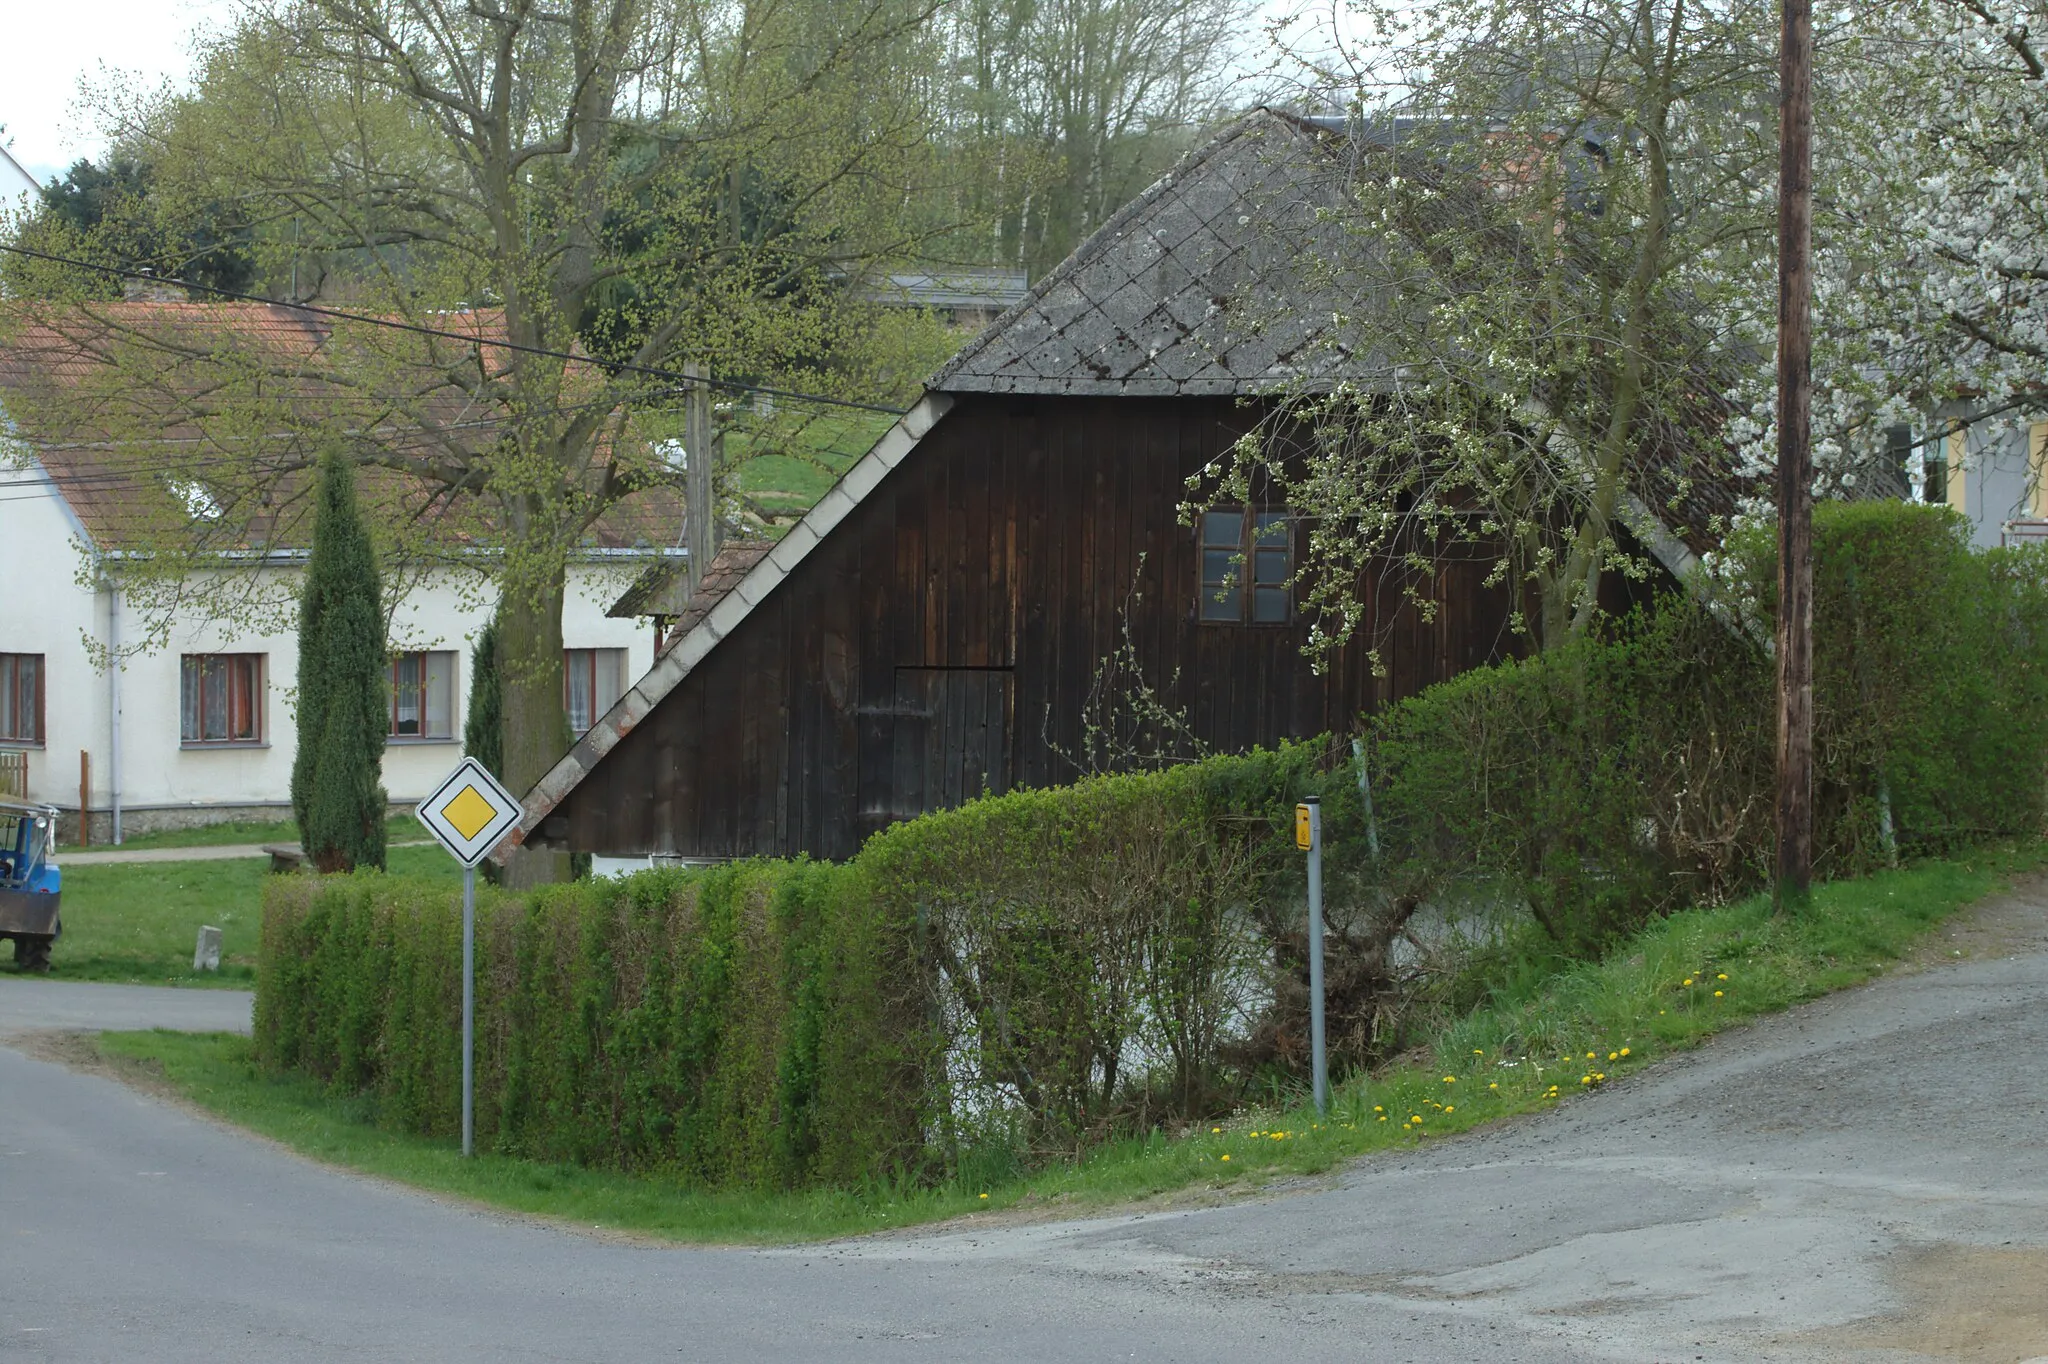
[1214, 1130]
[1624, 1051]
[1614, 1056]
[1493, 1086]
[1722, 976]
[1717, 994]
[1585, 1079]
[984, 1198]
[1450, 1108]
[1450, 1079]
[1226, 1155]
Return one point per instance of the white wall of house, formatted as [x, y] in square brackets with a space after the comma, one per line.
[1995, 474]
[165, 779]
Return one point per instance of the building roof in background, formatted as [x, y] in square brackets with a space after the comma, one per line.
[120, 403]
[661, 589]
[952, 288]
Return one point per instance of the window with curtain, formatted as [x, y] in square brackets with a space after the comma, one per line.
[21, 698]
[593, 680]
[1247, 555]
[423, 695]
[221, 698]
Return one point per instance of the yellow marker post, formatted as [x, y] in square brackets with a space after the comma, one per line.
[469, 814]
[1308, 836]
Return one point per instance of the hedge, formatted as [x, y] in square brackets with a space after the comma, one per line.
[1029, 974]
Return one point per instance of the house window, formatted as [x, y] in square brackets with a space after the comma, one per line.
[21, 698]
[1245, 547]
[423, 695]
[593, 680]
[221, 699]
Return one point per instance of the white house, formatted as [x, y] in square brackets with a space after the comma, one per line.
[196, 726]
[1991, 470]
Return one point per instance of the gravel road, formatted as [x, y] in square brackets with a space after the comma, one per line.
[1862, 1179]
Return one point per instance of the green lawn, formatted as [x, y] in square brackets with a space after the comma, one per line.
[1539, 1041]
[793, 482]
[136, 921]
[399, 829]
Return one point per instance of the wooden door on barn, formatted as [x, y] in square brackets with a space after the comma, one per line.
[952, 739]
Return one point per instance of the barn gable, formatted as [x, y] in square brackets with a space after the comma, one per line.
[932, 627]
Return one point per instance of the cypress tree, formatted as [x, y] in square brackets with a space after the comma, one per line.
[483, 733]
[344, 707]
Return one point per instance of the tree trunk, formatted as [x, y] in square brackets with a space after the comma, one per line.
[536, 726]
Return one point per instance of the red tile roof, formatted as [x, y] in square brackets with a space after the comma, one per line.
[134, 408]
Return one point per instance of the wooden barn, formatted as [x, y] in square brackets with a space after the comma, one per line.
[935, 626]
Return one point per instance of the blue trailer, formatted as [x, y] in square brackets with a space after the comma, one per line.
[30, 884]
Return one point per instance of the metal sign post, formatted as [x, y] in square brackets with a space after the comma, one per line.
[468, 1008]
[1308, 836]
[469, 814]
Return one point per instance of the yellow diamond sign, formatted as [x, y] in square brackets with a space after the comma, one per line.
[470, 812]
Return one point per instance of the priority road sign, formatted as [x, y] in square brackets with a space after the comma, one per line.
[470, 812]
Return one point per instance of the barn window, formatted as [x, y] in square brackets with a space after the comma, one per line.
[423, 695]
[221, 698]
[593, 680]
[21, 698]
[1247, 556]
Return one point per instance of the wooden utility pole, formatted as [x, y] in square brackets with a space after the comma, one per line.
[1795, 459]
[699, 518]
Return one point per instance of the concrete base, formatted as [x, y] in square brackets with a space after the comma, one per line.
[155, 819]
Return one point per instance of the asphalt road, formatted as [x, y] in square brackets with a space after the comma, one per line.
[1863, 1179]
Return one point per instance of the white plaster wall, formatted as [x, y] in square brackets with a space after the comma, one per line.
[1993, 481]
[44, 611]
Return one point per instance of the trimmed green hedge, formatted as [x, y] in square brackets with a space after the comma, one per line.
[1037, 971]
[1006, 981]
[1610, 780]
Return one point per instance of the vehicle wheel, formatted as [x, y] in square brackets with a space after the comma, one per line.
[32, 951]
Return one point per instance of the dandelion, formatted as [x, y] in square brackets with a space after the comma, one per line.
[1477, 1052]
[984, 1198]
[1415, 1117]
[1688, 980]
[1717, 994]
[1585, 1079]
[1450, 1108]
[1214, 1130]
[1493, 1086]
[1589, 1056]
[1722, 976]
[1226, 1155]
[1614, 1056]
[1624, 1051]
[1450, 1079]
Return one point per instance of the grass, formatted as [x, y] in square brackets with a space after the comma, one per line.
[398, 829]
[136, 921]
[1539, 1041]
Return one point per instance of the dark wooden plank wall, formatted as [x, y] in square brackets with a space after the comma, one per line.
[946, 636]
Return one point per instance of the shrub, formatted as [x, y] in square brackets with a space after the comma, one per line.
[343, 709]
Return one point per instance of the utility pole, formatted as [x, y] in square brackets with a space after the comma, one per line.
[1795, 457]
[699, 520]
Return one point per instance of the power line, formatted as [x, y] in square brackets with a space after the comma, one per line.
[731, 385]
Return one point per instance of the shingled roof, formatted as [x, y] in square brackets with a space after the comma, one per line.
[1181, 292]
